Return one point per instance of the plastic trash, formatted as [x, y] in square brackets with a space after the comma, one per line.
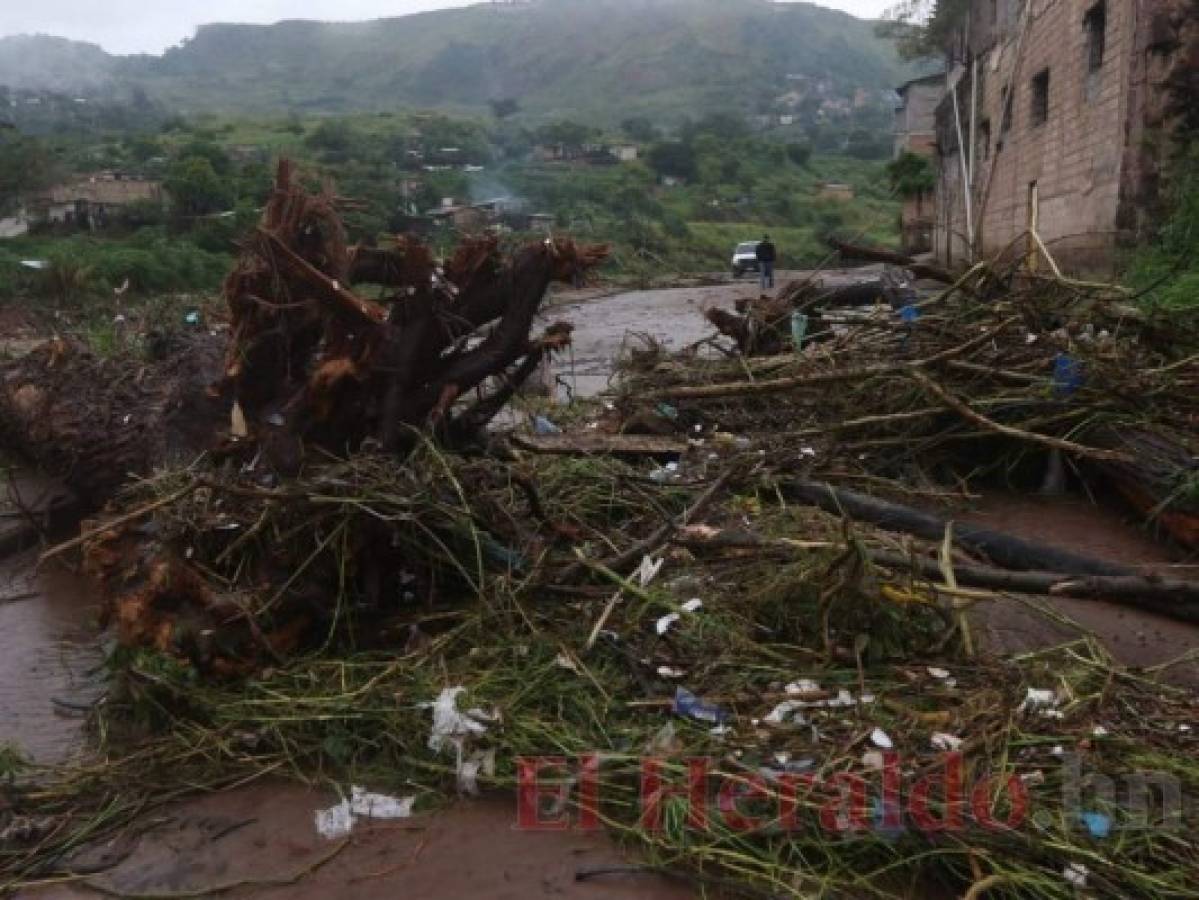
[799, 329]
[786, 712]
[1038, 700]
[688, 705]
[1067, 375]
[909, 314]
[543, 426]
[192, 318]
[1076, 874]
[668, 412]
[335, 822]
[338, 821]
[649, 569]
[946, 742]
[455, 729]
[1098, 824]
[881, 739]
[667, 622]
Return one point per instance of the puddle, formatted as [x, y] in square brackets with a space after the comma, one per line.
[49, 647]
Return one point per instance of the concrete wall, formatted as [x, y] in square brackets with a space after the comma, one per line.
[1075, 157]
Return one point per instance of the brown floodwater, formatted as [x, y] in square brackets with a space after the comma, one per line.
[49, 654]
[1134, 637]
[259, 840]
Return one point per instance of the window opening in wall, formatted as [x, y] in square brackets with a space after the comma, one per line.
[984, 140]
[1095, 26]
[1039, 111]
[1007, 109]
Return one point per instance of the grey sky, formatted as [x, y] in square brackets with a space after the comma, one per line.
[149, 26]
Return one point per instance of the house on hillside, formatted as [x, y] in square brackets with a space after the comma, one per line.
[15, 224]
[836, 190]
[96, 201]
[1061, 107]
[916, 133]
[592, 154]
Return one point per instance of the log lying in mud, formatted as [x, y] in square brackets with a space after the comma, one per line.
[1165, 596]
[880, 255]
[1001, 549]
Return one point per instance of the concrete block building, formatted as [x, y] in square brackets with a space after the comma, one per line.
[1061, 109]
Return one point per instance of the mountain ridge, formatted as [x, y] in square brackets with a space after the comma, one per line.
[603, 59]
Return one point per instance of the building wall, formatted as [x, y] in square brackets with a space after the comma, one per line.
[1074, 158]
[916, 118]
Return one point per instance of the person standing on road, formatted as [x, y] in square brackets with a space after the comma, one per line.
[766, 257]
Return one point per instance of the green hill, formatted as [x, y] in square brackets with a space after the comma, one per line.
[606, 59]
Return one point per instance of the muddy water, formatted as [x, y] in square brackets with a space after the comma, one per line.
[674, 317]
[262, 836]
[1135, 638]
[49, 646]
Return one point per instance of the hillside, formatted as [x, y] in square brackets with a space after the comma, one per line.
[601, 58]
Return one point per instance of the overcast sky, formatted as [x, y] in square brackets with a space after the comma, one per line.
[149, 26]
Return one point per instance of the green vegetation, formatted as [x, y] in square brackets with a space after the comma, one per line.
[1166, 270]
[731, 185]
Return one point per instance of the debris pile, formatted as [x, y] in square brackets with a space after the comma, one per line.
[967, 382]
[733, 560]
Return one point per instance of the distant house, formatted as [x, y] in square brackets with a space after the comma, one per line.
[593, 154]
[14, 225]
[836, 190]
[624, 152]
[95, 201]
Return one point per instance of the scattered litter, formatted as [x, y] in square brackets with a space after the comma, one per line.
[1076, 874]
[452, 728]
[1100, 731]
[873, 760]
[366, 805]
[649, 570]
[688, 705]
[670, 672]
[941, 674]
[665, 623]
[881, 739]
[1039, 700]
[787, 710]
[803, 686]
[946, 742]
[338, 821]
[1098, 824]
[692, 606]
[544, 426]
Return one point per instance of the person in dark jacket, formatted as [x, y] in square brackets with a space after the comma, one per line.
[766, 257]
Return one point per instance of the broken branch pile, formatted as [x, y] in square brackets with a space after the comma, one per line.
[298, 601]
[954, 387]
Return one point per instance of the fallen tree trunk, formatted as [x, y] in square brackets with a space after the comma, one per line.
[1166, 596]
[1002, 549]
[879, 254]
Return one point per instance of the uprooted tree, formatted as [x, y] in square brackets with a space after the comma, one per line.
[309, 362]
